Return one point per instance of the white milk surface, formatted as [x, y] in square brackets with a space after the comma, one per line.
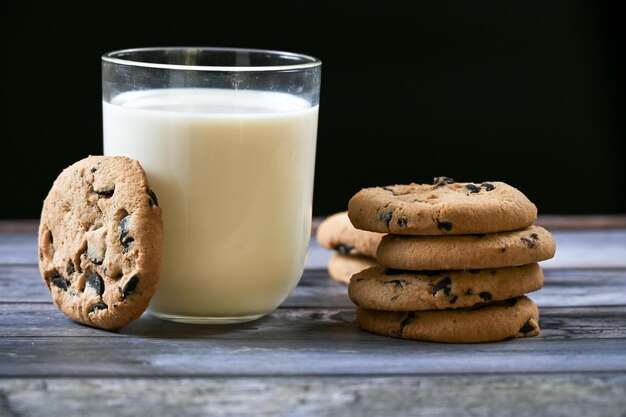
[233, 173]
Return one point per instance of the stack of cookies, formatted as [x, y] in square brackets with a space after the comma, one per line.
[456, 263]
[354, 250]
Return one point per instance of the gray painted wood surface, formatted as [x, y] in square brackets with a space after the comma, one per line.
[599, 249]
[309, 358]
[562, 395]
[22, 283]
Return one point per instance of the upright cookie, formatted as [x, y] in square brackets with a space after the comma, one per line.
[336, 232]
[100, 241]
[442, 208]
[515, 317]
[379, 288]
[342, 267]
[494, 250]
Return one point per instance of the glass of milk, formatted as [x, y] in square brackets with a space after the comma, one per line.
[227, 138]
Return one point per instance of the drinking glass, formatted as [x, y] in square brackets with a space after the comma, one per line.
[227, 138]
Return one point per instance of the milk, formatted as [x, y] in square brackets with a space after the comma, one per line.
[233, 173]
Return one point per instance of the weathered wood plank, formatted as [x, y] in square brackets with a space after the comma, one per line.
[578, 222]
[575, 249]
[27, 226]
[598, 395]
[588, 249]
[18, 248]
[319, 325]
[299, 342]
[151, 357]
[550, 221]
[22, 283]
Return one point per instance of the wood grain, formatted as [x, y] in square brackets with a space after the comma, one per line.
[22, 283]
[152, 357]
[18, 248]
[550, 221]
[40, 342]
[575, 249]
[566, 395]
[310, 358]
[579, 222]
[316, 324]
[28, 226]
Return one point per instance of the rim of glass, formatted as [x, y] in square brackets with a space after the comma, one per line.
[311, 61]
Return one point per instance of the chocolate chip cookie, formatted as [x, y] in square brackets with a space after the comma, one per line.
[336, 232]
[100, 241]
[342, 267]
[380, 288]
[445, 207]
[493, 250]
[515, 317]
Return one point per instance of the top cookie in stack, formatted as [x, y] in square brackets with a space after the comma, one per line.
[466, 252]
[445, 207]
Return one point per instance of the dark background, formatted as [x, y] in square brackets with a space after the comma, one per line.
[531, 93]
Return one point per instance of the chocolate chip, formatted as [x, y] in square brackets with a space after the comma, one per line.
[396, 282]
[445, 285]
[98, 306]
[487, 186]
[441, 181]
[469, 292]
[479, 306]
[152, 198]
[125, 240]
[385, 214]
[402, 222]
[93, 169]
[510, 301]
[343, 248]
[390, 190]
[70, 268]
[527, 327]
[61, 282]
[107, 192]
[502, 250]
[472, 188]
[432, 273]
[453, 299]
[447, 226]
[407, 319]
[535, 236]
[530, 241]
[96, 282]
[130, 286]
[485, 296]
[124, 226]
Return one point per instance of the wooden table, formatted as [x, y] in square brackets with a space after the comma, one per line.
[310, 359]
